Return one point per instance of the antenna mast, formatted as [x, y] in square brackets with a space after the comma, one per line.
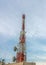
[21, 54]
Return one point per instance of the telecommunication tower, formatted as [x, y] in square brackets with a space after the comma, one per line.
[21, 53]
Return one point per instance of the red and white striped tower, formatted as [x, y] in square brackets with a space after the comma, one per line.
[21, 53]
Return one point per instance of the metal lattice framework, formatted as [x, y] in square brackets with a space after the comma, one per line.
[21, 55]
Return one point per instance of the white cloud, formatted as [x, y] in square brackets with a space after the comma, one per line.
[36, 27]
[42, 57]
[9, 26]
[35, 19]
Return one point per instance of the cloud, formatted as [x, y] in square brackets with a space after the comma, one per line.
[36, 27]
[36, 49]
[35, 23]
[8, 26]
[7, 56]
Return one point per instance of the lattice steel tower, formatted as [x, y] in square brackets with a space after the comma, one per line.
[21, 53]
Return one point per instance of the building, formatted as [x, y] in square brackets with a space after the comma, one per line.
[22, 63]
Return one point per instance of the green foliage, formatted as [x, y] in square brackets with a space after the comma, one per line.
[3, 61]
[15, 48]
[14, 59]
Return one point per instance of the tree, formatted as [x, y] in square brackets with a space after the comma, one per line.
[14, 59]
[15, 48]
[3, 61]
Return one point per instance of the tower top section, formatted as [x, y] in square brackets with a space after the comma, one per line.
[23, 16]
[23, 22]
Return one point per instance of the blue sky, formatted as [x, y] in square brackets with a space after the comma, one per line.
[10, 26]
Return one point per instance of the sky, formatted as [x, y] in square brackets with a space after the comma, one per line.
[11, 12]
